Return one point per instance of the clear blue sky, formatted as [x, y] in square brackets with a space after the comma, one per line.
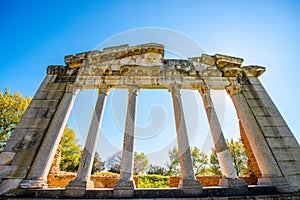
[35, 34]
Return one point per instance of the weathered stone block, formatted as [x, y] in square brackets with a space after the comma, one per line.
[46, 113]
[250, 95]
[9, 186]
[289, 167]
[279, 182]
[260, 111]
[294, 152]
[75, 193]
[281, 154]
[273, 131]
[258, 99]
[269, 105]
[270, 131]
[234, 183]
[39, 113]
[6, 157]
[20, 133]
[124, 189]
[190, 187]
[272, 110]
[11, 144]
[287, 153]
[256, 88]
[40, 95]
[284, 131]
[253, 88]
[55, 95]
[40, 123]
[25, 158]
[254, 102]
[49, 79]
[31, 112]
[44, 103]
[12, 171]
[282, 142]
[53, 86]
[267, 121]
[294, 180]
[217, 82]
[24, 139]
[254, 81]
[80, 185]
[264, 96]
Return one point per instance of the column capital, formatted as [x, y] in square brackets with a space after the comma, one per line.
[132, 90]
[175, 90]
[103, 89]
[72, 88]
[203, 90]
[233, 89]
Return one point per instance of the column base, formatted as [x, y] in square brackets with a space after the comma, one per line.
[124, 189]
[34, 184]
[190, 186]
[80, 185]
[234, 183]
[279, 182]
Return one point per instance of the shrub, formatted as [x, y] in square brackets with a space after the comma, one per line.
[107, 174]
[153, 181]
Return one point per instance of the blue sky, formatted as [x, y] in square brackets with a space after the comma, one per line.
[35, 34]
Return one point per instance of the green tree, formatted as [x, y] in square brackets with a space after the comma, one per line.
[113, 163]
[200, 162]
[238, 155]
[173, 167]
[141, 163]
[214, 168]
[70, 151]
[158, 170]
[12, 107]
[98, 165]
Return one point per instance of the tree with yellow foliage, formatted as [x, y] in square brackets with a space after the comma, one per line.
[12, 107]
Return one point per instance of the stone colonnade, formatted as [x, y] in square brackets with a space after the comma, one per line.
[38, 174]
[25, 162]
[188, 181]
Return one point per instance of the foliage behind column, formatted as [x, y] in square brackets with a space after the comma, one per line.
[12, 108]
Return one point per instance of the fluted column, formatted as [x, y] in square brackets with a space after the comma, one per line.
[269, 169]
[188, 181]
[125, 181]
[82, 180]
[37, 176]
[221, 148]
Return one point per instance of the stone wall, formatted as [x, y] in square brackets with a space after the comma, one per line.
[207, 181]
[62, 179]
[279, 138]
[21, 149]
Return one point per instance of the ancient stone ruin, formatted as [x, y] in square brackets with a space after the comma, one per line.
[272, 149]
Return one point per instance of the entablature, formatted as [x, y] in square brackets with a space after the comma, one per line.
[145, 65]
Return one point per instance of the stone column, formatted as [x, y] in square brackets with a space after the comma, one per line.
[37, 176]
[188, 182]
[269, 169]
[82, 180]
[230, 176]
[125, 185]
